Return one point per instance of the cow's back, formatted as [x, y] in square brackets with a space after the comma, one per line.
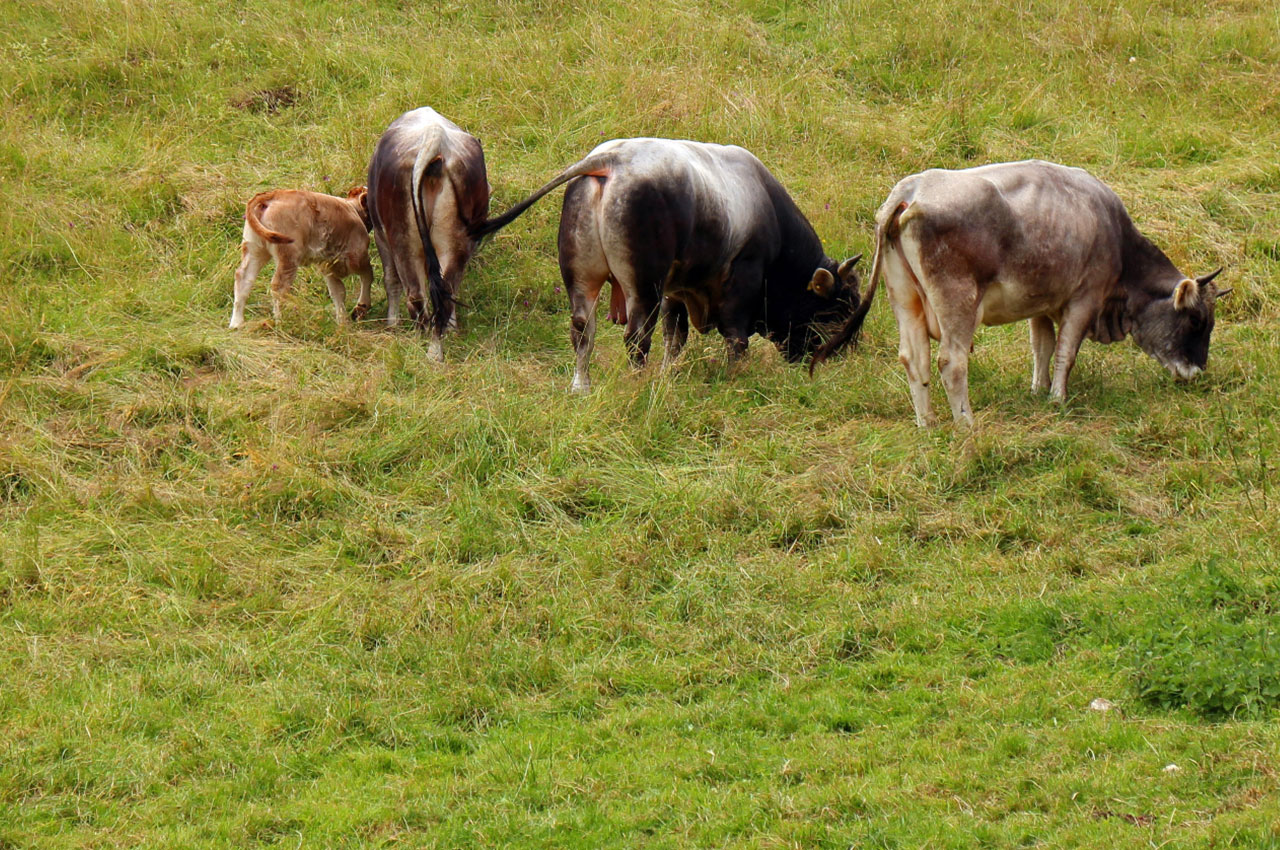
[714, 194]
[1034, 223]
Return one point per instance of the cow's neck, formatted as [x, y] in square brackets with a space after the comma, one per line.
[1146, 273]
[801, 252]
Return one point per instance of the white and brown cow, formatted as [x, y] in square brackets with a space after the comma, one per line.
[702, 230]
[1025, 240]
[297, 228]
[427, 187]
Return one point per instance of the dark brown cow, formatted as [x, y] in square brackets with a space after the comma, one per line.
[1026, 240]
[427, 188]
[703, 230]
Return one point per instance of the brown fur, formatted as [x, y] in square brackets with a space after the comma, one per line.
[296, 228]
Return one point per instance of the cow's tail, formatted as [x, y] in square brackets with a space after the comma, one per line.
[886, 231]
[429, 165]
[597, 165]
[253, 210]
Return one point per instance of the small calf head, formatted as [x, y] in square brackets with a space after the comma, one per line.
[1175, 330]
[359, 198]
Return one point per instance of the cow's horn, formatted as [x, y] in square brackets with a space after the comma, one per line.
[1210, 276]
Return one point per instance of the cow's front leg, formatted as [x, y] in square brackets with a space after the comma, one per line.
[1071, 332]
[675, 330]
[1042, 341]
[338, 295]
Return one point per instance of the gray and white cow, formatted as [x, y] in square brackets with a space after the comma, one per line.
[427, 188]
[1025, 240]
[703, 230]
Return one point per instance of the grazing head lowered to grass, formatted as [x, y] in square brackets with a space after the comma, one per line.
[701, 232]
[427, 188]
[1026, 240]
[297, 228]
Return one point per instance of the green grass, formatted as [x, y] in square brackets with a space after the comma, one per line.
[301, 586]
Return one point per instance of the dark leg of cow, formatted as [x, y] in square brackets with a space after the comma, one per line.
[1071, 331]
[1042, 341]
[642, 318]
[746, 278]
[675, 330]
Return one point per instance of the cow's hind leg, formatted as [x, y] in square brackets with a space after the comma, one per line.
[252, 258]
[1042, 341]
[913, 332]
[391, 279]
[583, 295]
[364, 269]
[282, 280]
[584, 269]
[338, 295]
[642, 318]
[675, 330]
[957, 323]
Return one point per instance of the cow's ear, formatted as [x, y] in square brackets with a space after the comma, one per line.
[846, 268]
[1186, 295]
[823, 283]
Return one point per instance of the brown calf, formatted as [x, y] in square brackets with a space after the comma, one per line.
[297, 228]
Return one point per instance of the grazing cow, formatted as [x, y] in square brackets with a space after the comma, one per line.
[427, 187]
[297, 228]
[704, 230]
[1025, 240]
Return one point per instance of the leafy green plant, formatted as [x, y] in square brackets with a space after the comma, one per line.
[1215, 650]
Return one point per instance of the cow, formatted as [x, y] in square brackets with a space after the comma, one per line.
[1025, 240]
[703, 231]
[427, 187]
[297, 228]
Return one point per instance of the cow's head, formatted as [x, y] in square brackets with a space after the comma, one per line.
[823, 306]
[359, 198]
[1175, 329]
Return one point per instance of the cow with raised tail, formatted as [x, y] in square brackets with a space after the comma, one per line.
[427, 188]
[703, 232]
[1025, 240]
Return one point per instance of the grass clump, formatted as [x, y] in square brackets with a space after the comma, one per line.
[1214, 647]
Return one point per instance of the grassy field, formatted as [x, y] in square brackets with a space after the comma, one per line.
[298, 585]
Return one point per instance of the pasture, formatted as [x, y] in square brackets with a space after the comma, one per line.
[297, 585]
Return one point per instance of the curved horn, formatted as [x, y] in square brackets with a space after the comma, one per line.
[1210, 276]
